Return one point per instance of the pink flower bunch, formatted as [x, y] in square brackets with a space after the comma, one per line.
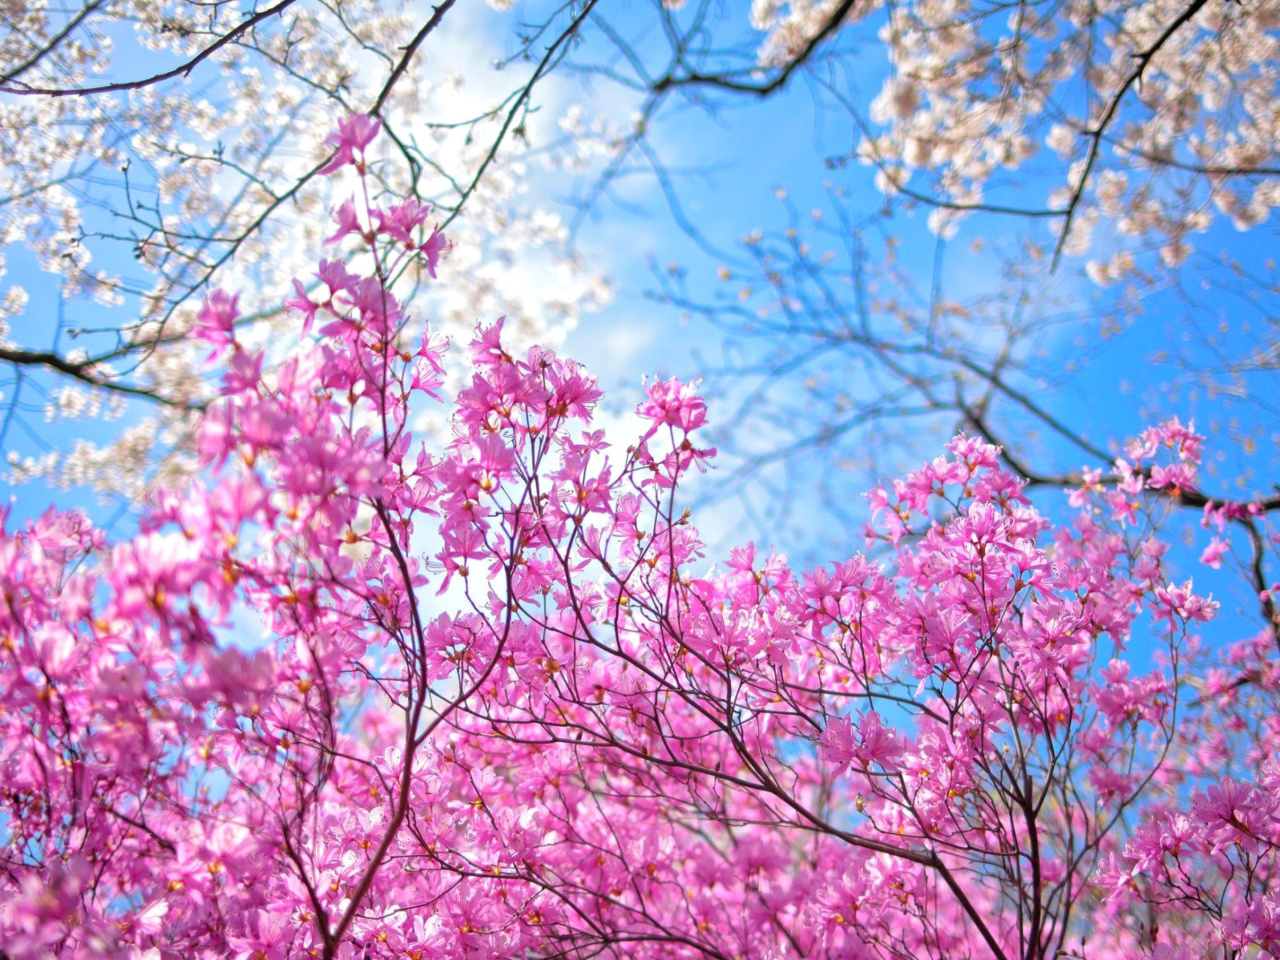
[504, 708]
[353, 136]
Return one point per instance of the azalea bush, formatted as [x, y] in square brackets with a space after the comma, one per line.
[506, 707]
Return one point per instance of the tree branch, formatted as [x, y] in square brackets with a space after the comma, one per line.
[180, 71]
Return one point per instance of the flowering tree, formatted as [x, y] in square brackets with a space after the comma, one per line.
[1170, 118]
[503, 709]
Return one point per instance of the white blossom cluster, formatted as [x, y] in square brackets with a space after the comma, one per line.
[1167, 110]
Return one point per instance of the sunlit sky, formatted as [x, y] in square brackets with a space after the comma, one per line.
[747, 168]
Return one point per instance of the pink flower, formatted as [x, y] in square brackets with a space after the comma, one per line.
[1226, 802]
[1214, 552]
[243, 373]
[836, 745]
[400, 220]
[348, 221]
[333, 274]
[269, 942]
[354, 133]
[875, 744]
[435, 246]
[215, 324]
[303, 305]
[880, 744]
[1180, 601]
[675, 404]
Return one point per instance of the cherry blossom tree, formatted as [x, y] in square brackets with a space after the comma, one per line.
[1084, 171]
[1120, 134]
[504, 707]
[1169, 123]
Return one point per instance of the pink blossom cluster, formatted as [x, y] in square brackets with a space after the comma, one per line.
[505, 709]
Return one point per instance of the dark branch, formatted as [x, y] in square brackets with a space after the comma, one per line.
[179, 71]
[85, 371]
[779, 80]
